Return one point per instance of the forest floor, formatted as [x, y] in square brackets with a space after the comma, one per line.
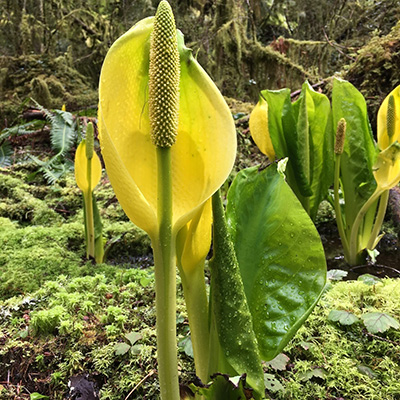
[66, 322]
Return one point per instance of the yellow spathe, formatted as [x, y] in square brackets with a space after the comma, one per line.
[259, 130]
[81, 168]
[387, 167]
[383, 138]
[205, 147]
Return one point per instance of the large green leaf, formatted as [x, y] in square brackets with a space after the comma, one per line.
[229, 307]
[314, 126]
[279, 104]
[280, 255]
[296, 131]
[359, 152]
[303, 132]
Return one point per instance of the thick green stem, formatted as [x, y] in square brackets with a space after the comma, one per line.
[338, 211]
[194, 290]
[383, 201]
[165, 276]
[354, 240]
[88, 198]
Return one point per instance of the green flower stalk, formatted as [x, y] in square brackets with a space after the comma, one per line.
[163, 114]
[339, 145]
[87, 175]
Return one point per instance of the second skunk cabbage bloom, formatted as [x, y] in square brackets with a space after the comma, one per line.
[81, 170]
[387, 166]
[388, 123]
[205, 148]
[259, 130]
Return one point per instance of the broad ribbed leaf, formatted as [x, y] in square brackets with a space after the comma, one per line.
[314, 126]
[276, 100]
[359, 152]
[280, 255]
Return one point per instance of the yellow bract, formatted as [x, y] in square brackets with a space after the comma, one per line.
[205, 147]
[383, 138]
[259, 129]
[387, 166]
[81, 168]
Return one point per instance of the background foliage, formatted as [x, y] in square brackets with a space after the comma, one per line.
[246, 45]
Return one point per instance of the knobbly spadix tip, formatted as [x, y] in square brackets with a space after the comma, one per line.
[164, 78]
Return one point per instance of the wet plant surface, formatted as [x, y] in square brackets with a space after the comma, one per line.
[66, 322]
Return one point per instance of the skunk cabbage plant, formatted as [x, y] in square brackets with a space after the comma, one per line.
[169, 142]
[301, 131]
[87, 176]
[364, 172]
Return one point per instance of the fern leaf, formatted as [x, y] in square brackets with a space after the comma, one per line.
[23, 129]
[5, 155]
[62, 131]
[62, 134]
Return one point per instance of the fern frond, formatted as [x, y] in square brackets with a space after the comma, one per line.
[47, 113]
[5, 155]
[63, 132]
[18, 130]
[52, 175]
[38, 161]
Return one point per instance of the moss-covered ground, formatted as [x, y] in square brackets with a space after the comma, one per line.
[62, 317]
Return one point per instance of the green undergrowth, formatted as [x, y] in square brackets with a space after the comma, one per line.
[327, 360]
[84, 325]
[42, 233]
[104, 326]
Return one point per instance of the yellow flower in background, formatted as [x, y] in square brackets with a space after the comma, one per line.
[387, 166]
[388, 123]
[81, 170]
[259, 130]
[205, 147]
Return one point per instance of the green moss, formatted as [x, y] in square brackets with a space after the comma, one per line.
[17, 203]
[64, 84]
[343, 352]
[33, 254]
[376, 71]
[40, 92]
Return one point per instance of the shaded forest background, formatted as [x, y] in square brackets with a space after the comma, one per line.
[52, 50]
